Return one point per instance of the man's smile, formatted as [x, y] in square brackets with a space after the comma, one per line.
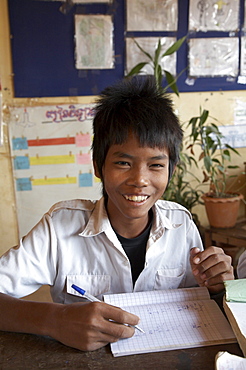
[136, 198]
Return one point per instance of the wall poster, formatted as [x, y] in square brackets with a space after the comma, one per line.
[94, 41]
[210, 57]
[212, 15]
[51, 158]
[154, 15]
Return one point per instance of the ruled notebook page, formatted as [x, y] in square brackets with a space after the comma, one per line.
[171, 319]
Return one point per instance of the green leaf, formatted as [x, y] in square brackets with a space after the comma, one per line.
[226, 155]
[207, 163]
[135, 70]
[231, 148]
[216, 129]
[157, 53]
[171, 82]
[203, 117]
[174, 47]
[221, 169]
[158, 77]
[232, 167]
[211, 144]
[215, 160]
[143, 51]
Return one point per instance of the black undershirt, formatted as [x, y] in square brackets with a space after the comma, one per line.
[135, 249]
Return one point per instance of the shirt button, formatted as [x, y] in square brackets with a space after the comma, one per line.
[126, 263]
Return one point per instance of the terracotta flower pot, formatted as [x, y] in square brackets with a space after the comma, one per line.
[222, 212]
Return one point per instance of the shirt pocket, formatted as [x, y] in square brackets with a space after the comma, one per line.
[169, 278]
[96, 285]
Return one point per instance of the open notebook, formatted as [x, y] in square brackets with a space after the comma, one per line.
[171, 319]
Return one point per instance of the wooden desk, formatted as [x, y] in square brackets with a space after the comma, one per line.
[24, 352]
[232, 240]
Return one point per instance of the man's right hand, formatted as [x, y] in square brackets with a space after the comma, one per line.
[85, 326]
[89, 326]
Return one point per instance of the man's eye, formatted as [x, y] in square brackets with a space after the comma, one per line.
[122, 163]
[158, 165]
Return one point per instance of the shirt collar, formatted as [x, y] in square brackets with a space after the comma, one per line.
[160, 221]
[98, 221]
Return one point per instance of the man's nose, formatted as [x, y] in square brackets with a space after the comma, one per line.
[138, 177]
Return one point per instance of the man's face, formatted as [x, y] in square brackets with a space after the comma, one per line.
[134, 179]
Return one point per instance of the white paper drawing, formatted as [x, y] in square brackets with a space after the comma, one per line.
[154, 15]
[212, 15]
[134, 55]
[94, 41]
[210, 57]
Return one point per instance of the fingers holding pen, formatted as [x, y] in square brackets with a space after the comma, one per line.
[88, 326]
[92, 298]
[211, 267]
[122, 322]
[110, 323]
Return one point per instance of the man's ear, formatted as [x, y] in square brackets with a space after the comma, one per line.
[97, 173]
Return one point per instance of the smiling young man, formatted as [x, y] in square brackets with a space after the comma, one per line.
[129, 240]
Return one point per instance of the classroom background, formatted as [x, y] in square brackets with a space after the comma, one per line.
[49, 85]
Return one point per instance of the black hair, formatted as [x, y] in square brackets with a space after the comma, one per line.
[135, 106]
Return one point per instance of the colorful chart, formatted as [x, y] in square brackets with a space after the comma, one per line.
[51, 154]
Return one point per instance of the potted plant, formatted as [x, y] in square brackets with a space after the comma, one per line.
[221, 205]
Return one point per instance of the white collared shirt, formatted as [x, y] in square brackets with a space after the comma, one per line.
[75, 243]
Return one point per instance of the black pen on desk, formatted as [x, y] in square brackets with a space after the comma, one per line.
[91, 298]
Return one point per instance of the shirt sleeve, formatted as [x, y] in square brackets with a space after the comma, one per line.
[31, 264]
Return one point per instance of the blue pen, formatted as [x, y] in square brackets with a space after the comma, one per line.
[85, 294]
[91, 298]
